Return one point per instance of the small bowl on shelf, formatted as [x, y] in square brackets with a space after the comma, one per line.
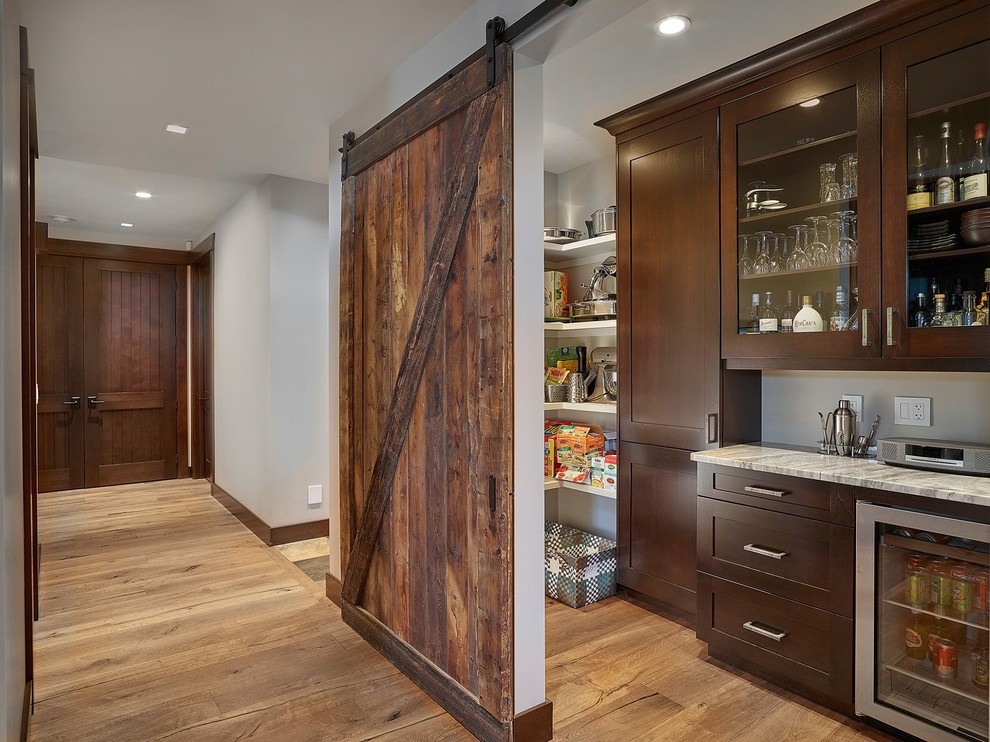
[977, 235]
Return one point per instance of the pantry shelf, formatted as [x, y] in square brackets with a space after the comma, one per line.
[556, 484]
[554, 253]
[594, 327]
[607, 408]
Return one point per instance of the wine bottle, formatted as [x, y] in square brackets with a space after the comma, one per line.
[976, 178]
[945, 187]
[919, 194]
[769, 316]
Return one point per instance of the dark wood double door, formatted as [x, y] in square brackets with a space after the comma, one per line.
[106, 372]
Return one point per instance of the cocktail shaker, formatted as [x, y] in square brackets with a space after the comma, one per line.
[844, 428]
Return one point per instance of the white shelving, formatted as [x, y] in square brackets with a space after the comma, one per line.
[579, 250]
[557, 484]
[593, 327]
[607, 408]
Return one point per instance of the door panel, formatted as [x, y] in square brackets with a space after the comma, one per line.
[130, 372]
[435, 594]
[60, 373]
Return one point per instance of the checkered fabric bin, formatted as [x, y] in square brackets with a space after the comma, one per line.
[579, 567]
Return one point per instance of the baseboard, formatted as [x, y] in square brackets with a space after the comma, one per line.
[335, 590]
[299, 532]
[437, 685]
[535, 724]
[26, 710]
[271, 536]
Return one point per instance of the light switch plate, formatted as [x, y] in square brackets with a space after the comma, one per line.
[856, 402]
[913, 411]
[315, 494]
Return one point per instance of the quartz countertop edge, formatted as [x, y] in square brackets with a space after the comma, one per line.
[854, 472]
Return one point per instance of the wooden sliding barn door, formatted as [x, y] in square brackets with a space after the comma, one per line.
[426, 394]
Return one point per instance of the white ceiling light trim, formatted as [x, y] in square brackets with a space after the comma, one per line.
[673, 24]
[142, 194]
[810, 103]
[61, 218]
[126, 224]
[176, 128]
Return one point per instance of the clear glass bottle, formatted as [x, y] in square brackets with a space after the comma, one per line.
[938, 313]
[807, 319]
[787, 313]
[976, 179]
[955, 298]
[769, 316]
[754, 316]
[961, 169]
[853, 323]
[840, 310]
[820, 308]
[919, 195]
[968, 316]
[919, 317]
[945, 187]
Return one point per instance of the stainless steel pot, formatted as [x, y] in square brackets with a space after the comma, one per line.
[603, 221]
[557, 233]
[611, 377]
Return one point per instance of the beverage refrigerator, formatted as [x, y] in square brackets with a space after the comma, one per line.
[922, 622]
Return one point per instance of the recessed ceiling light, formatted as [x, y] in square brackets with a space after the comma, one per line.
[672, 24]
[143, 194]
[810, 103]
[61, 219]
[126, 224]
[176, 128]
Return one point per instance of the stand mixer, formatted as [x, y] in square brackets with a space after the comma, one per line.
[603, 360]
[597, 303]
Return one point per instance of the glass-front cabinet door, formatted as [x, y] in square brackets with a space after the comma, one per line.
[936, 209]
[800, 216]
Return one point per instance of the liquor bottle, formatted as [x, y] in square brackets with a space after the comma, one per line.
[807, 319]
[787, 314]
[938, 313]
[945, 187]
[961, 169]
[968, 316]
[983, 308]
[919, 195]
[919, 318]
[840, 310]
[976, 178]
[955, 298]
[853, 323]
[820, 308]
[933, 288]
[754, 316]
[769, 316]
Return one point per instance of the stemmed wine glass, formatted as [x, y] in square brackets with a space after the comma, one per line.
[798, 259]
[745, 262]
[845, 245]
[777, 259]
[817, 250]
[762, 262]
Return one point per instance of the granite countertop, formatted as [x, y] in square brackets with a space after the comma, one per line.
[846, 470]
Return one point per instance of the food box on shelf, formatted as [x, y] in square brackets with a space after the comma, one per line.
[554, 294]
[579, 567]
[549, 456]
[578, 444]
[568, 355]
[604, 472]
[571, 473]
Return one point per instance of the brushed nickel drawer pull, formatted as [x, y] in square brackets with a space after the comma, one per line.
[769, 633]
[764, 551]
[765, 491]
[865, 323]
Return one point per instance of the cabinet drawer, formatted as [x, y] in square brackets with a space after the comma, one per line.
[773, 488]
[778, 638]
[810, 561]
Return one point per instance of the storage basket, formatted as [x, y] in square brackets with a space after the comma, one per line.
[579, 567]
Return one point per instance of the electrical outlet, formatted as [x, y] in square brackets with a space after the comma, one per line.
[856, 402]
[315, 494]
[913, 411]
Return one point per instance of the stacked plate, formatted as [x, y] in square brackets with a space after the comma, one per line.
[975, 226]
[932, 236]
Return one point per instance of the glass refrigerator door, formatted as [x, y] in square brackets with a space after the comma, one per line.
[931, 622]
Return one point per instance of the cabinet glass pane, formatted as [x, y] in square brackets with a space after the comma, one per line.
[948, 209]
[797, 186]
[931, 659]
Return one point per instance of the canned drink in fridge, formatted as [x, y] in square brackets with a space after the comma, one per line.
[980, 577]
[941, 582]
[962, 591]
[946, 658]
[914, 561]
[918, 587]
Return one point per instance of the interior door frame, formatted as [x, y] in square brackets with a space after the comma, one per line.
[201, 419]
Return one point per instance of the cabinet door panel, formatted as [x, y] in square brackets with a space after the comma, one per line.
[668, 284]
[657, 520]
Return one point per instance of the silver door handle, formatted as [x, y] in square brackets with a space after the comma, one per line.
[764, 551]
[890, 326]
[713, 428]
[865, 325]
[93, 401]
[765, 491]
[71, 402]
[769, 633]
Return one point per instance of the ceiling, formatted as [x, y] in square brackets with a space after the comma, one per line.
[258, 83]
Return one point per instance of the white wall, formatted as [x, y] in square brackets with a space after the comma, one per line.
[585, 189]
[11, 508]
[270, 349]
[791, 399]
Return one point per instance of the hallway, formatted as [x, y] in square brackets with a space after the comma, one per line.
[162, 617]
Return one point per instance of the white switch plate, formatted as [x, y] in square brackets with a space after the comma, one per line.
[315, 494]
[856, 402]
[913, 411]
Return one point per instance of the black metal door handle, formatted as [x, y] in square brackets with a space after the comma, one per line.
[93, 401]
[71, 402]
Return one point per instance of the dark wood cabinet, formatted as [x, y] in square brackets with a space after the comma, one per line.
[776, 570]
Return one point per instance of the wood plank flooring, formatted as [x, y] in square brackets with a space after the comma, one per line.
[163, 618]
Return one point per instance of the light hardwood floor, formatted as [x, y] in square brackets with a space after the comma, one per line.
[164, 618]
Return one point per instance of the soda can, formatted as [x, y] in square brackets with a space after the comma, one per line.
[946, 658]
[918, 587]
[962, 591]
[941, 582]
[979, 577]
[914, 561]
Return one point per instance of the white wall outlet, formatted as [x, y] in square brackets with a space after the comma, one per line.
[315, 494]
[913, 411]
[856, 402]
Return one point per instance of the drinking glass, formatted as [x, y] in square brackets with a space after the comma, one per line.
[829, 188]
[745, 262]
[845, 245]
[779, 250]
[831, 240]
[849, 163]
[762, 262]
[817, 250]
[798, 259]
[853, 233]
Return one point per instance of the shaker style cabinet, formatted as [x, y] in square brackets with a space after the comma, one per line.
[801, 216]
[937, 98]
[810, 209]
